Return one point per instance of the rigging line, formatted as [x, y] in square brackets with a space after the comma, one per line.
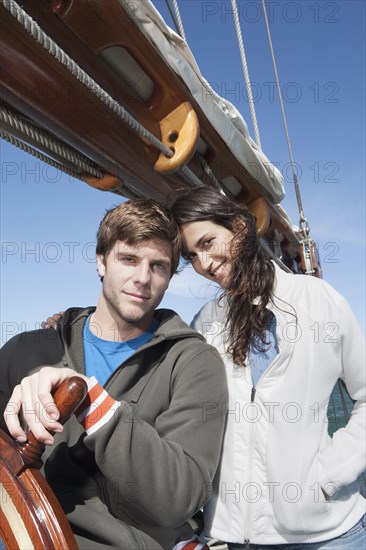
[303, 220]
[31, 151]
[179, 19]
[52, 48]
[47, 142]
[246, 73]
[208, 172]
[121, 190]
[190, 176]
[172, 16]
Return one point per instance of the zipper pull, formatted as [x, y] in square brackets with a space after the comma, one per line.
[247, 541]
[252, 395]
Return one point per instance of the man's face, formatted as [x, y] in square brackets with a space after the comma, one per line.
[135, 279]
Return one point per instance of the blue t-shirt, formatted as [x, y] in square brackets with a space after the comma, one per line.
[103, 357]
[260, 360]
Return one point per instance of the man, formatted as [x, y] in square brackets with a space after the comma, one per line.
[138, 459]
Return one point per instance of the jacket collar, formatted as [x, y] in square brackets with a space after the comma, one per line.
[171, 327]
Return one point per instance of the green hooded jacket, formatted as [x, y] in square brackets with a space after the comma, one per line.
[135, 482]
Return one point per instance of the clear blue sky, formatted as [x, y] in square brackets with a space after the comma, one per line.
[49, 220]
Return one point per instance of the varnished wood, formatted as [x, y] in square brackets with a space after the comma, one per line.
[29, 509]
[37, 85]
[260, 209]
[169, 91]
[179, 132]
[104, 138]
[107, 183]
[48, 94]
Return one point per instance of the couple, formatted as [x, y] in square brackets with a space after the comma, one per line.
[134, 467]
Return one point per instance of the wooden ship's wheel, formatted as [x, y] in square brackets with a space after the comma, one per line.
[30, 515]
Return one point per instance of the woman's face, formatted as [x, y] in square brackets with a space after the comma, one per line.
[207, 246]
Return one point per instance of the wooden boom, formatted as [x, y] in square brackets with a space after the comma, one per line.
[36, 85]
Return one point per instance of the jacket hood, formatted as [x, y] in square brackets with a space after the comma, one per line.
[171, 326]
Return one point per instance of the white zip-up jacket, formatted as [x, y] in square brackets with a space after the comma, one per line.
[277, 456]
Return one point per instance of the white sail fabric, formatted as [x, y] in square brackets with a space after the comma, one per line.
[223, 116]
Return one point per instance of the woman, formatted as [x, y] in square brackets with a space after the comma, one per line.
[285, 340]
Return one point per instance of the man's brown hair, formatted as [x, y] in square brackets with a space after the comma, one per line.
[136, 221]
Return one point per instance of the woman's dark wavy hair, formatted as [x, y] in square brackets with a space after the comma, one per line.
[252, 273]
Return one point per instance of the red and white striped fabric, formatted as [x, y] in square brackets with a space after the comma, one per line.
[193, 544]
[97, 408]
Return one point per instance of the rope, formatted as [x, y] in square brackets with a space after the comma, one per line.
[31, 151]
[172, 16]
[190, 176]
[51, 47]
[303, 221]
[246, 73]
[47, 141]
[208, 172]
[276, 243]
[179, 20]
